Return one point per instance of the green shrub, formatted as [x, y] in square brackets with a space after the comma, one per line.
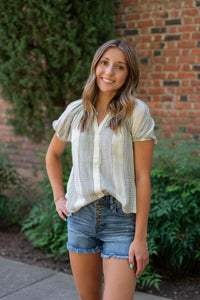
[15, 193]
[43, 226]
[174, 220]
[46, 48]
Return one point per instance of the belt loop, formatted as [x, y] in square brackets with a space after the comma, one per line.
[111, 202]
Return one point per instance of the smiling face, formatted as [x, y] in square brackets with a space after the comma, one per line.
[111, 71]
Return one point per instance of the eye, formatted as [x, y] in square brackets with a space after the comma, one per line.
[104, 62]
[121, 67]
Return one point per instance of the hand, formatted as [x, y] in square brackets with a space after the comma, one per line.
[61, 208]
[139, 255]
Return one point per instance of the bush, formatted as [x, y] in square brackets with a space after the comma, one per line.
[46, 48]
[175, 209]
[43, 226]
[15, 193]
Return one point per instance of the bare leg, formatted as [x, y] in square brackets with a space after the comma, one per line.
[119, 279]
[87, 272]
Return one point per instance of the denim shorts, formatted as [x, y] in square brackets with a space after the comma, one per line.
[101, 226]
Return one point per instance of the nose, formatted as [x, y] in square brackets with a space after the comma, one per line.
[110, 70]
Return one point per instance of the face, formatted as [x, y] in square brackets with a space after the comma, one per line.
[111, 71]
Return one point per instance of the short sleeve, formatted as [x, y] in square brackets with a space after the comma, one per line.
[141, 123]
[63, 125]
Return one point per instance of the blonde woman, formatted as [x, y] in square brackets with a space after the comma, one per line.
[108, 192]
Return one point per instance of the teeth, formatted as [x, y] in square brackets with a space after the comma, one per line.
[106, 80]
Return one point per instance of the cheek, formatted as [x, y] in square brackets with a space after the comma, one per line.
[123, 79]
[98, 70]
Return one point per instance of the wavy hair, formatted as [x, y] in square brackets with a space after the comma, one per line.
[121, 105]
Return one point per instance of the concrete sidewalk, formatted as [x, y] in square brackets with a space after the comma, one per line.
[19, 281]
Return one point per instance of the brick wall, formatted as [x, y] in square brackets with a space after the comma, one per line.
[22, 153]
[166, 35]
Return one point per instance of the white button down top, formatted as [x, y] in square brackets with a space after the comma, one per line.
[103, 161]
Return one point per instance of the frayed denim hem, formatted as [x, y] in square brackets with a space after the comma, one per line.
[84, 251]
[114, 255]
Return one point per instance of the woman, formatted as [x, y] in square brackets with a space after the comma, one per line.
[108, 193]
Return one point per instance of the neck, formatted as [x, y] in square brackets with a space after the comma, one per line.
[103, 99]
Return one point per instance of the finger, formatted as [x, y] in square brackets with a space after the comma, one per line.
[61, 215]
[140, 266]
[131, 257]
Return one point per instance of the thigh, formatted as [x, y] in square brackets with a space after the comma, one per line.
[87, 272]
[119, 279]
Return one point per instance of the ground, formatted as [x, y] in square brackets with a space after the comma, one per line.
[15, 245]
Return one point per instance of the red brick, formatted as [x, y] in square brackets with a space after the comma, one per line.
[182, 113]
[132, 17]
[187, 75]
[156, 98]
[172, 29]
[142, 39]
[182, 105]
[171, 60]
[158, 75]
[193, 129]
[191, 28]
[172, 67]
[197, 105]
[171, 76]
[147, 23]
[172, 52]
[167, 98]
[132, 25]
[194, 114]
[186, 68]
[173, 5]
[187, 20]
[171, 44]
[184, 90]
[159, 22]
[197, 20]
[195, 83]
[196, 35]
[157, 91]
[186, 59]
[145, 30]
[187, 44]
[175, 14]
[185, 83]
[190, 12]
[155, 105]
[188, 3]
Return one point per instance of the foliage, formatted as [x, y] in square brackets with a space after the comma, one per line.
[15, 193]
[46, 48]
[43, 225]
[175, 209]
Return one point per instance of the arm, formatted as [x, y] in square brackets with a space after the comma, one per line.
[143, 154]
[55, 174]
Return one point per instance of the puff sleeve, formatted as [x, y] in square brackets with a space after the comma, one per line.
[63, 125]
[141, 123]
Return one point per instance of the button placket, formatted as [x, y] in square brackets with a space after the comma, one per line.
[99, 215]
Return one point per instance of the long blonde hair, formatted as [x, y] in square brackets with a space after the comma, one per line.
[121, 105]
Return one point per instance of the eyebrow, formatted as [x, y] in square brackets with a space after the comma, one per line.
[120, 62]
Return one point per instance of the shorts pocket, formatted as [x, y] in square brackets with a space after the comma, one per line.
[118, 211]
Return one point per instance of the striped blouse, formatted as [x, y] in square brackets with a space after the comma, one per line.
[103, 161]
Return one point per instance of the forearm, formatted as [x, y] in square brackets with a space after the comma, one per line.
[55, 174]
[143, 196]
